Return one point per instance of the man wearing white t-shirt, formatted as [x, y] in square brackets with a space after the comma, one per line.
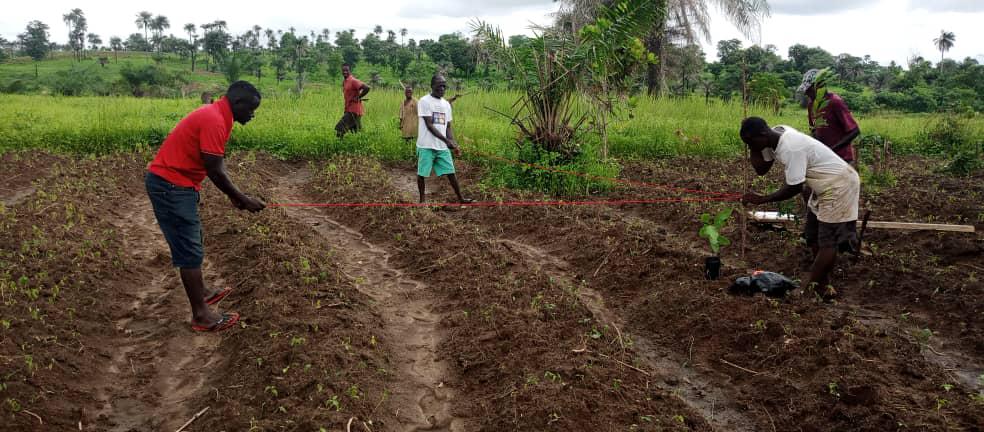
[831, 224]
[435, 141]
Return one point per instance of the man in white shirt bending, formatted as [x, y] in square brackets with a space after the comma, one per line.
[831, 224]
[435, 141]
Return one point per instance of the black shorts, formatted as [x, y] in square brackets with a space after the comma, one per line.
[843, 235]
[176, 210]
[350, 122]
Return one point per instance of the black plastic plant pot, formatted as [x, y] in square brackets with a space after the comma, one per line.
[712, 267]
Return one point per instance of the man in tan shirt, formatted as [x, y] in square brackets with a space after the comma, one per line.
[408, 116]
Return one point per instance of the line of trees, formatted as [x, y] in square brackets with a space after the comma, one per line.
[756, 73]
[287, 52]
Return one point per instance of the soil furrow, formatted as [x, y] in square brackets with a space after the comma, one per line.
[158, 364]
[690, 386]
[419, 398]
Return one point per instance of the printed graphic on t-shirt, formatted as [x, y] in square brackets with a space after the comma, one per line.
[439, 118]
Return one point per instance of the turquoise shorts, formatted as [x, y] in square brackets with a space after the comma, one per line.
[438, 161]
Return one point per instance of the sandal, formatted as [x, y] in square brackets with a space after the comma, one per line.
[227, 320]
[218, 296]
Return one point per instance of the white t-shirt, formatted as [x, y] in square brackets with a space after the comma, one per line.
[836, 186]
[439, 110]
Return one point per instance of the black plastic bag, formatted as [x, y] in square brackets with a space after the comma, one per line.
[769, 283]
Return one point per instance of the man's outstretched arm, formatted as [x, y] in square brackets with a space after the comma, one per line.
[787, 192]
[215, 167]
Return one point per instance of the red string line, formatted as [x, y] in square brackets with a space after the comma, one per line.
[512, 203]
[709, 196]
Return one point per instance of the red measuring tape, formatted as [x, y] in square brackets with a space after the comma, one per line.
[710, 196]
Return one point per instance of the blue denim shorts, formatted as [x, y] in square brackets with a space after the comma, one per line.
[176, 210]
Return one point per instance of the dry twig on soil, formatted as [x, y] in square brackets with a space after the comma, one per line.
[192, 420]
[739, 367]
[33, 415]
[585, 350]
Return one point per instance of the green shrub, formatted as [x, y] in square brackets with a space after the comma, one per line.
[858, 102]
[78, 81]
[150, 80]
[18, 86]
[553, 181]
[951, 135]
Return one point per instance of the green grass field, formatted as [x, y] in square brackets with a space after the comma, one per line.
[293, 126]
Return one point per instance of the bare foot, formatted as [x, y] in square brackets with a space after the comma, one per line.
[208, 320]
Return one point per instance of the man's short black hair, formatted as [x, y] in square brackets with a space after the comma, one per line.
[242, 90]
[347, 65]
[435, 77]
[753, 126]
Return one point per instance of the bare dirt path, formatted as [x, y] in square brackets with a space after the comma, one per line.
[158, 364]
[420, 401]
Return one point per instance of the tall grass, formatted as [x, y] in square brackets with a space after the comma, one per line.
[292, 126]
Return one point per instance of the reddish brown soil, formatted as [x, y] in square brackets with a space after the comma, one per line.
[566, 319]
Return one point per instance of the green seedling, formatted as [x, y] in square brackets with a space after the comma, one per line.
[923, 336]
[334, 403]
[833, 389]
[554, 377]
[712, 230]
[354, 392]
[13, 405]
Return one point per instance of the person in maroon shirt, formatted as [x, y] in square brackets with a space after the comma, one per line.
[353, 90]
[195, 149]
[838, 129]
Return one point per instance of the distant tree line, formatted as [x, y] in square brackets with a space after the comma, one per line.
[756, 73]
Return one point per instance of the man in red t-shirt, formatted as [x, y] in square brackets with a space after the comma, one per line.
[195, 149]
[838, 128]
[353, 91]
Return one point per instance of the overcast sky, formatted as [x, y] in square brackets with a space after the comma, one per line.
[886, 29]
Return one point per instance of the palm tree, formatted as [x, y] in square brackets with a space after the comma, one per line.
[403, 35]
[271, 39]
[159, 24]
[116, 44]
[75, 20]
[192, 42]
[143, 21]
[257, 32]
[378, 30]
[684, 19]
[94, 41]
[944, 43]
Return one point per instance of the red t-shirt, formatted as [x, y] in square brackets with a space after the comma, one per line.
[840, 122]
[205, 130]
[351, 89]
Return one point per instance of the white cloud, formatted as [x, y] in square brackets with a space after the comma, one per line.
[814, 7]
[888, 30]
[949, 5]
[468, 9]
